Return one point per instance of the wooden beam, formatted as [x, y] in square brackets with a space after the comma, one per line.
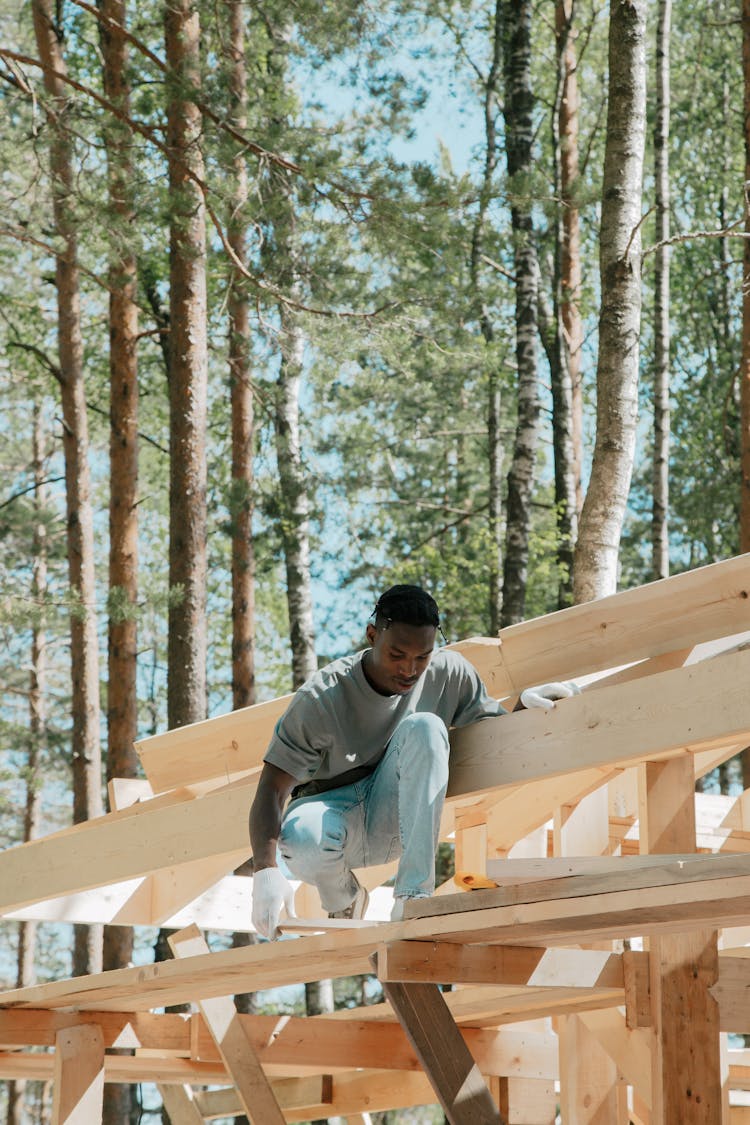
[588, 1078]
[712, 889]
[673, 613]
[629, 1049]
[78, 1076]
[224, 746]
[448, 963]
[124, 845]
[321, 1043]
[452, 1072]
[118, 1068]
[291, 1093]
[667, 714]
[525, 1101]
[254, 1089]
[641, 720]
[180, 1105]
[347, 1095]
[686, 1063]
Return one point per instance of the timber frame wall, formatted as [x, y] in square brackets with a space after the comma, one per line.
[598, 963]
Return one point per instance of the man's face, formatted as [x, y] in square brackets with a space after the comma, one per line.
[399, 656]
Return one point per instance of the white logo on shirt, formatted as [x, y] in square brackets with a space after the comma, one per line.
[351, 757]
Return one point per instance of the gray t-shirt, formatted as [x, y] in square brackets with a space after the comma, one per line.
[337, 727]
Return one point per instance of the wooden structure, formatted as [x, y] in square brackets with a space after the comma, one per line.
[598, 968]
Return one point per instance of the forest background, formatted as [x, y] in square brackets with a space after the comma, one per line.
[300, 300]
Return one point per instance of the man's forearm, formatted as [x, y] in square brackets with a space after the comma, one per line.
[265, 828]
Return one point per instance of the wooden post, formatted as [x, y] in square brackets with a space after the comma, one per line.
[79, 1076]
[255, 1092]
[525, 1101]
[445, 1058]
[179, 1104]
[686, 1064]
[589, 1093]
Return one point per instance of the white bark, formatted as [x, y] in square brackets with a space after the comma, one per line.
[597, 552]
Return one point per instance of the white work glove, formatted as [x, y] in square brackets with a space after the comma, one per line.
[271, 891]
[546, 694]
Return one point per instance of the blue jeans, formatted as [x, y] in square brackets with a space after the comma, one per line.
[393, 812]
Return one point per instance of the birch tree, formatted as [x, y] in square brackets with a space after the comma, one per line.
[491, 104]
[84, 646]
[561, 331]
[596, 558]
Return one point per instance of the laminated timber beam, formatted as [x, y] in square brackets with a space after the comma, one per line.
[670, 899]
[296, 1045]
[661, 617]
[237, 1051]
[664, 716]
[446, 1060]
[686, 1080]
[651, 621]
[78, 1076]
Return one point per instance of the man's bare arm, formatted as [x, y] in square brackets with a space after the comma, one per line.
[266, 814]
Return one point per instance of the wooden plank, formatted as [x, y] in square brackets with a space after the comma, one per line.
[566, 911]
[667, 714]
[137, 841]
[512, 872]
[180, 1105]
[254, 1089]
[320, 1044]
[146, 838]
[348, 1094]
[118, 1068]
[78, 1076]
[448, 963]
[225, 746]
[291, 1093]
[525, 1101]
[169, 1033]
[588, 1078]
[629, 1049]
[686, 1083]
[663, 616]
[447, 1062]
[515, 812]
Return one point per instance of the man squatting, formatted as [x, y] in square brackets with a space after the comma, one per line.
[363, 751]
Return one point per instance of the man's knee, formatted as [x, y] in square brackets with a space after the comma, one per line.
[425, 730]
[311, 834]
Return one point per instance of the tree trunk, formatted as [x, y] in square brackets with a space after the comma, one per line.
[570, 245]
[295, 503]
[186, 693]
[518, 143]
[563, 334]
[27, 931]
[595, 572]
[84, 647]
[660, 511]
[494, 438]
[243, 436]
[745, 364]
[122, 703]
[188, 375]
[240, 377]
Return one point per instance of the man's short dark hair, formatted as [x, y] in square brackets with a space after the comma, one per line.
[406, 605]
